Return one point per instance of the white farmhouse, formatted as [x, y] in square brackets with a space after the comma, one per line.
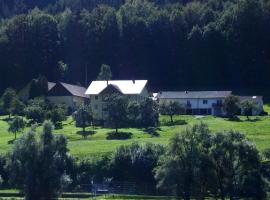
[98, 91]
[196, 102]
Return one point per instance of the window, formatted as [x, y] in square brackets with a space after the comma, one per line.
[96, 97]
[219, 102]
[188, 102]
[96, 107]
[205, 101]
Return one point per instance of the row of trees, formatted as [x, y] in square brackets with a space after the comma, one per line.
[195, 164]
[206, 43]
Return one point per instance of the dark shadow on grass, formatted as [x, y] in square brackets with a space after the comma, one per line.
[7, 119]
[253, 120]
[234, 119]
[174, 123]
[118, 136]
[85, 134]
[58, 126]
[153, 131]
[11, 141]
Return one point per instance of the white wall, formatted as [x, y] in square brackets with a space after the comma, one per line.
[69, 101]
[195, 103]
[97, 105]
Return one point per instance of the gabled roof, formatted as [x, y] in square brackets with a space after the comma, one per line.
[75, 90]
[192, 94]
[124, 86]
[50, 85]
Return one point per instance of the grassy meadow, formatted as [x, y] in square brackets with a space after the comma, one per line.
[257, 130]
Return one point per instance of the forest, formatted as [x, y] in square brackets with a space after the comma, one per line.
[175, 44]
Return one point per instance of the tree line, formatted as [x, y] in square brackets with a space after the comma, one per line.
[195, 164]
[173, 44]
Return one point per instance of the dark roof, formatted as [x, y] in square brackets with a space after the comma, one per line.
[192, 94]
[75, 90]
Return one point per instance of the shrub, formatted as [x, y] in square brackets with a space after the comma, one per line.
[135, 162]
[36, 110]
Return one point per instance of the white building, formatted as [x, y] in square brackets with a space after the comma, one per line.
[98, 91]
[206, 102]
[196, 102]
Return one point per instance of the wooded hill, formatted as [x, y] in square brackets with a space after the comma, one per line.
[175, 44]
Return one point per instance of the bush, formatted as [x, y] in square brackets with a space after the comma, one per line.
[57, 114]
[135, 163]
[36, 110]
[119, 135]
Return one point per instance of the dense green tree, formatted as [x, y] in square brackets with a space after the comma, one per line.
[149, 113]
[248, 106]
[57, 114]
[237, 166]
[16, 125]
[38, 87]
[17, 107]
[136, 162]
[36, 110]
[134, 113]
[38, 163]
[7, 98]
[116, 109]
[231, 106]
[172, 108]
[185, 168]
[206, 43]
[83, 117]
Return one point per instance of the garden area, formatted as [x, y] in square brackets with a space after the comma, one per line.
[257, 130]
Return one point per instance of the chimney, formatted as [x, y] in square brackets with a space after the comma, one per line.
[107, 82]
[133, 81]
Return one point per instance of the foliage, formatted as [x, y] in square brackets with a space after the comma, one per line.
[206, 43]
[135, 162]
[37, 164]
[248, 107]
[134, 114]
[17, 107]
[116, 108]
[38, 87]
[231, 106]
[57, 114]
[16, 125]
[36, 110]
[197, 162]
[149, 113]
[105, 72]
[83, 117]
[7, 98]
[172, 108]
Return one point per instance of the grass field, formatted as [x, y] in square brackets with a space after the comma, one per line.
[257, 130]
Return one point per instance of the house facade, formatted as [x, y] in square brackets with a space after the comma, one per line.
[70, 95]
[206, 102]
[98, 91]
[196, 102]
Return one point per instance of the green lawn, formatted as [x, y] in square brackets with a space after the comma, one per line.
[257, 130]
